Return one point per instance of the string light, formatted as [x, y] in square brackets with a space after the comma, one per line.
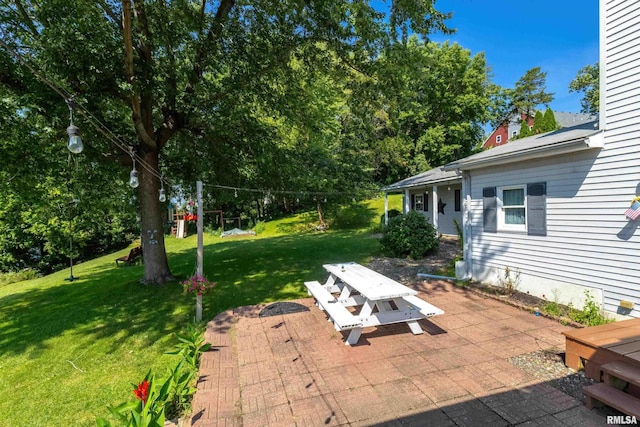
[134, 182]
[75, 142]
[162, 196]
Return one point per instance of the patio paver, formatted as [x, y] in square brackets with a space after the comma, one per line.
[294, 369]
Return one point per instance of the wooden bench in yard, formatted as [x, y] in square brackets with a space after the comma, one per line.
[342, 318]
[132, 258]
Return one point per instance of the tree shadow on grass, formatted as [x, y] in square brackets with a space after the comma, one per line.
[110, 303]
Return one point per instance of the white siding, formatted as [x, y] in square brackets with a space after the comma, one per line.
[589, 243]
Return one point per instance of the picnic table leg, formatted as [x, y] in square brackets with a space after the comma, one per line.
[354, 336]
[345, 293]
[413, 324]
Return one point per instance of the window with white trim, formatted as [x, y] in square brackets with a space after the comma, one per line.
[512, 211]
[498, 139]
[418, 203]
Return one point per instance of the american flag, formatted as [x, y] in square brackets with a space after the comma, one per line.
[634, 211]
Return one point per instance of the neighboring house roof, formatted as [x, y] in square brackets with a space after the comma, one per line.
[433, 176]
[583, 136]
[563, 119]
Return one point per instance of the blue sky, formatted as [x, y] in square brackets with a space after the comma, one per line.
[560, 36]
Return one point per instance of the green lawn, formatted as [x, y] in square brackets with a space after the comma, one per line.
[69, 349]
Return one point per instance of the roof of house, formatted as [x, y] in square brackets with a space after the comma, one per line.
[583, 136]
[563, 119]
[435, 175]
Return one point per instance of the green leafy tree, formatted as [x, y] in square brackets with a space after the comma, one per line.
[191, 81]
[435, 99]
[587, 81]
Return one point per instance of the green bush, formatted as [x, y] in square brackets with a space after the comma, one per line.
[409, 235]
[19, 276]
[260, 227]
[352, 216]
[391, 214]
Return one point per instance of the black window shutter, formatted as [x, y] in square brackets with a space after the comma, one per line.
[537, 209]
[458, 200]
[426, 202]
[489, 210]
[413, 202]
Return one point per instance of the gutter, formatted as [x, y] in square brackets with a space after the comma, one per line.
[582, 143]
[422, 184]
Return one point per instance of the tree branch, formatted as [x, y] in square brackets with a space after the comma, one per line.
[130, 73]
[213, 34]
[27, 19]
[110, 13]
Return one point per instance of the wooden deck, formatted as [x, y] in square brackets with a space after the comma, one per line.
[592, 347]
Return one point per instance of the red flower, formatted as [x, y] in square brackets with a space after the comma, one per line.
[142, 392]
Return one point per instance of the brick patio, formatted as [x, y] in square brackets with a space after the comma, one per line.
[294, 369]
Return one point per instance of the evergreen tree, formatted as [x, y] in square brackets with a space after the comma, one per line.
[538, 123]
[524, 130]
[549, 121]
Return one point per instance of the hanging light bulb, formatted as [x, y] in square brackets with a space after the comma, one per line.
[161, 196]
[75, 142]
[133, 175]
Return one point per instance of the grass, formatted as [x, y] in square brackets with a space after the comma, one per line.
[69, 349]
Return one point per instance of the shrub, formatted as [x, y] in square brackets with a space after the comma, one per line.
[19, 276]
[353, 216]
[260, 227]
[391, 214]
[410, 235]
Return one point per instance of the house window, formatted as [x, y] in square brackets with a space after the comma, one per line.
[457, 200]
[418, 202]
[512, 208]
[515, 208]
[514, 133]
[498, 139]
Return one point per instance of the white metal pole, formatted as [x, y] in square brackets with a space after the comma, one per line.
[386, 208]
[200, 251]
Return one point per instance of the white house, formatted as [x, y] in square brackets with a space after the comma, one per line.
[437, 194]
[552, 206]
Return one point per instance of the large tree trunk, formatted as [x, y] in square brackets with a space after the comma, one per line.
[156, 266]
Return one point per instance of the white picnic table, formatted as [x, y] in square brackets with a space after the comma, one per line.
[378, 300]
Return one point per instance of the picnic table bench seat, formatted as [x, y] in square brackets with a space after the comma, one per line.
[131, 258]
[422, 306]
[342, 318]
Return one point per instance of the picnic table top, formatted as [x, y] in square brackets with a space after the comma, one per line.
[370, 284]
